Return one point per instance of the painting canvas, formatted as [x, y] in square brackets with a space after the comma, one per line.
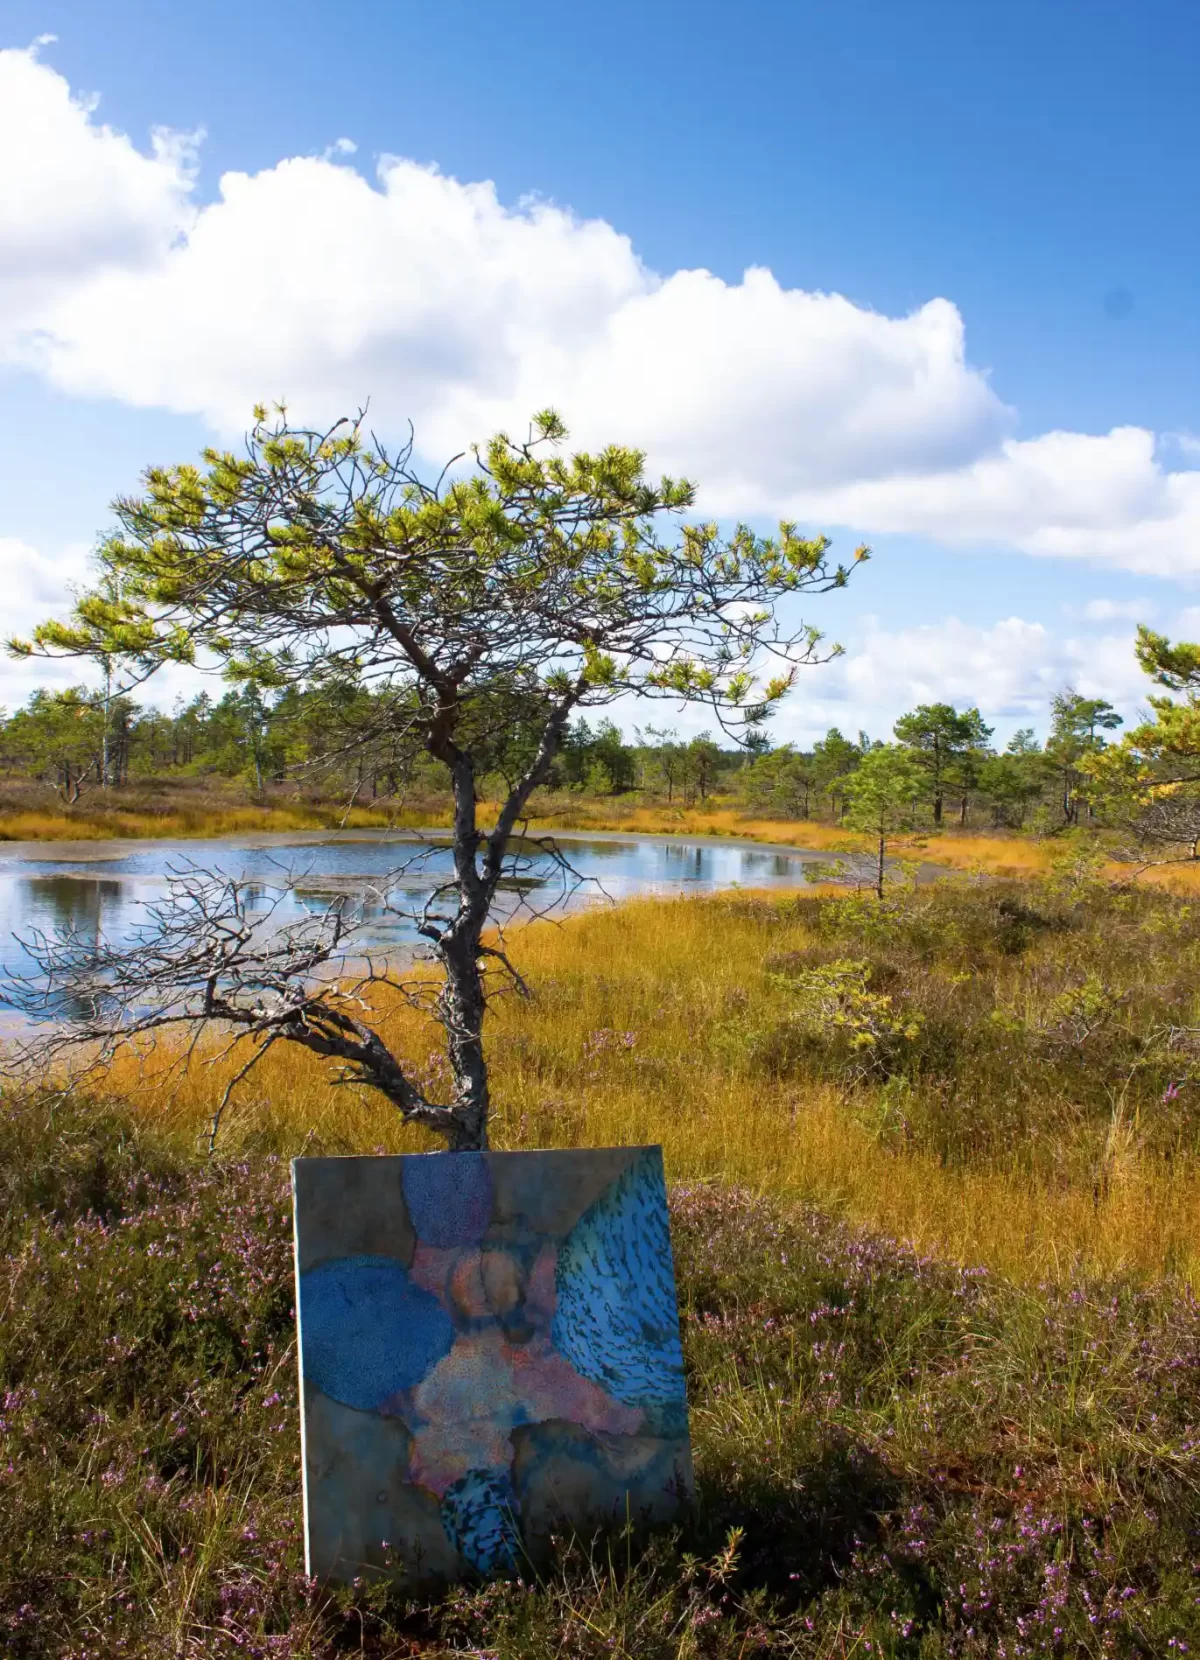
[489, 1352]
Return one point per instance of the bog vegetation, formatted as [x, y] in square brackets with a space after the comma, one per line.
[934, 1149]
[981, 1441]
[460, 620]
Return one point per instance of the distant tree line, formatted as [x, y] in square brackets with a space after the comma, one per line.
[962, 777]
[80, 740]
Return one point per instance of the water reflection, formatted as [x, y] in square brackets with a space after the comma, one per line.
[72, 904]
[103, 894]
[685, 862]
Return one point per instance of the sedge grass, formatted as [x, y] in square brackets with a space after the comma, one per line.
[187, 823]
[660, 1021]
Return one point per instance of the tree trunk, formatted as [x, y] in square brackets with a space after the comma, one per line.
[104, 734]
[461, 1009]
[462, 1002]
[879, 868]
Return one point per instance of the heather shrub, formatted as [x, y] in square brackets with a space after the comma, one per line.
[891, 1450]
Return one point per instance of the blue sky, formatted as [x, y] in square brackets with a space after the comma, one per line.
[1032, 168]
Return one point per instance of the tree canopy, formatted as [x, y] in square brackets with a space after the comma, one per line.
[518, 587]
[1151, 779]
[939, 736]
[884, 793]
[533, 581]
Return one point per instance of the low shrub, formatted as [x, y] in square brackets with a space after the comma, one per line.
[894, 1455]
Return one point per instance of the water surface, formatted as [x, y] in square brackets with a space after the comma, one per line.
[100, 890]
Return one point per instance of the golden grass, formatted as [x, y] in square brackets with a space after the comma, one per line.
[96, 824]
[996, 855]
[999, 854]
[677, 975]
[1183, 879]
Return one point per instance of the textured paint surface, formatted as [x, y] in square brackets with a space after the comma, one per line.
[449, 1200]
[616, 1318]
[479, 1513]
[508, 1363]
[368, 1332]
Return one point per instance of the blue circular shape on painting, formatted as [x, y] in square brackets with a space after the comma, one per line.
[366, 1331]
[449, 1197]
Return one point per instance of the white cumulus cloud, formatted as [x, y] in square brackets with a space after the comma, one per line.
[1010, 669]
[1070, 495]
[1112, 610]
[77, 200]
[314, 281]
[309, 280]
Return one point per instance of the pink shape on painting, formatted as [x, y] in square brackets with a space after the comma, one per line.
[464, 1408]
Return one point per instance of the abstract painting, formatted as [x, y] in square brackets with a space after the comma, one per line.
[489, 1354]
